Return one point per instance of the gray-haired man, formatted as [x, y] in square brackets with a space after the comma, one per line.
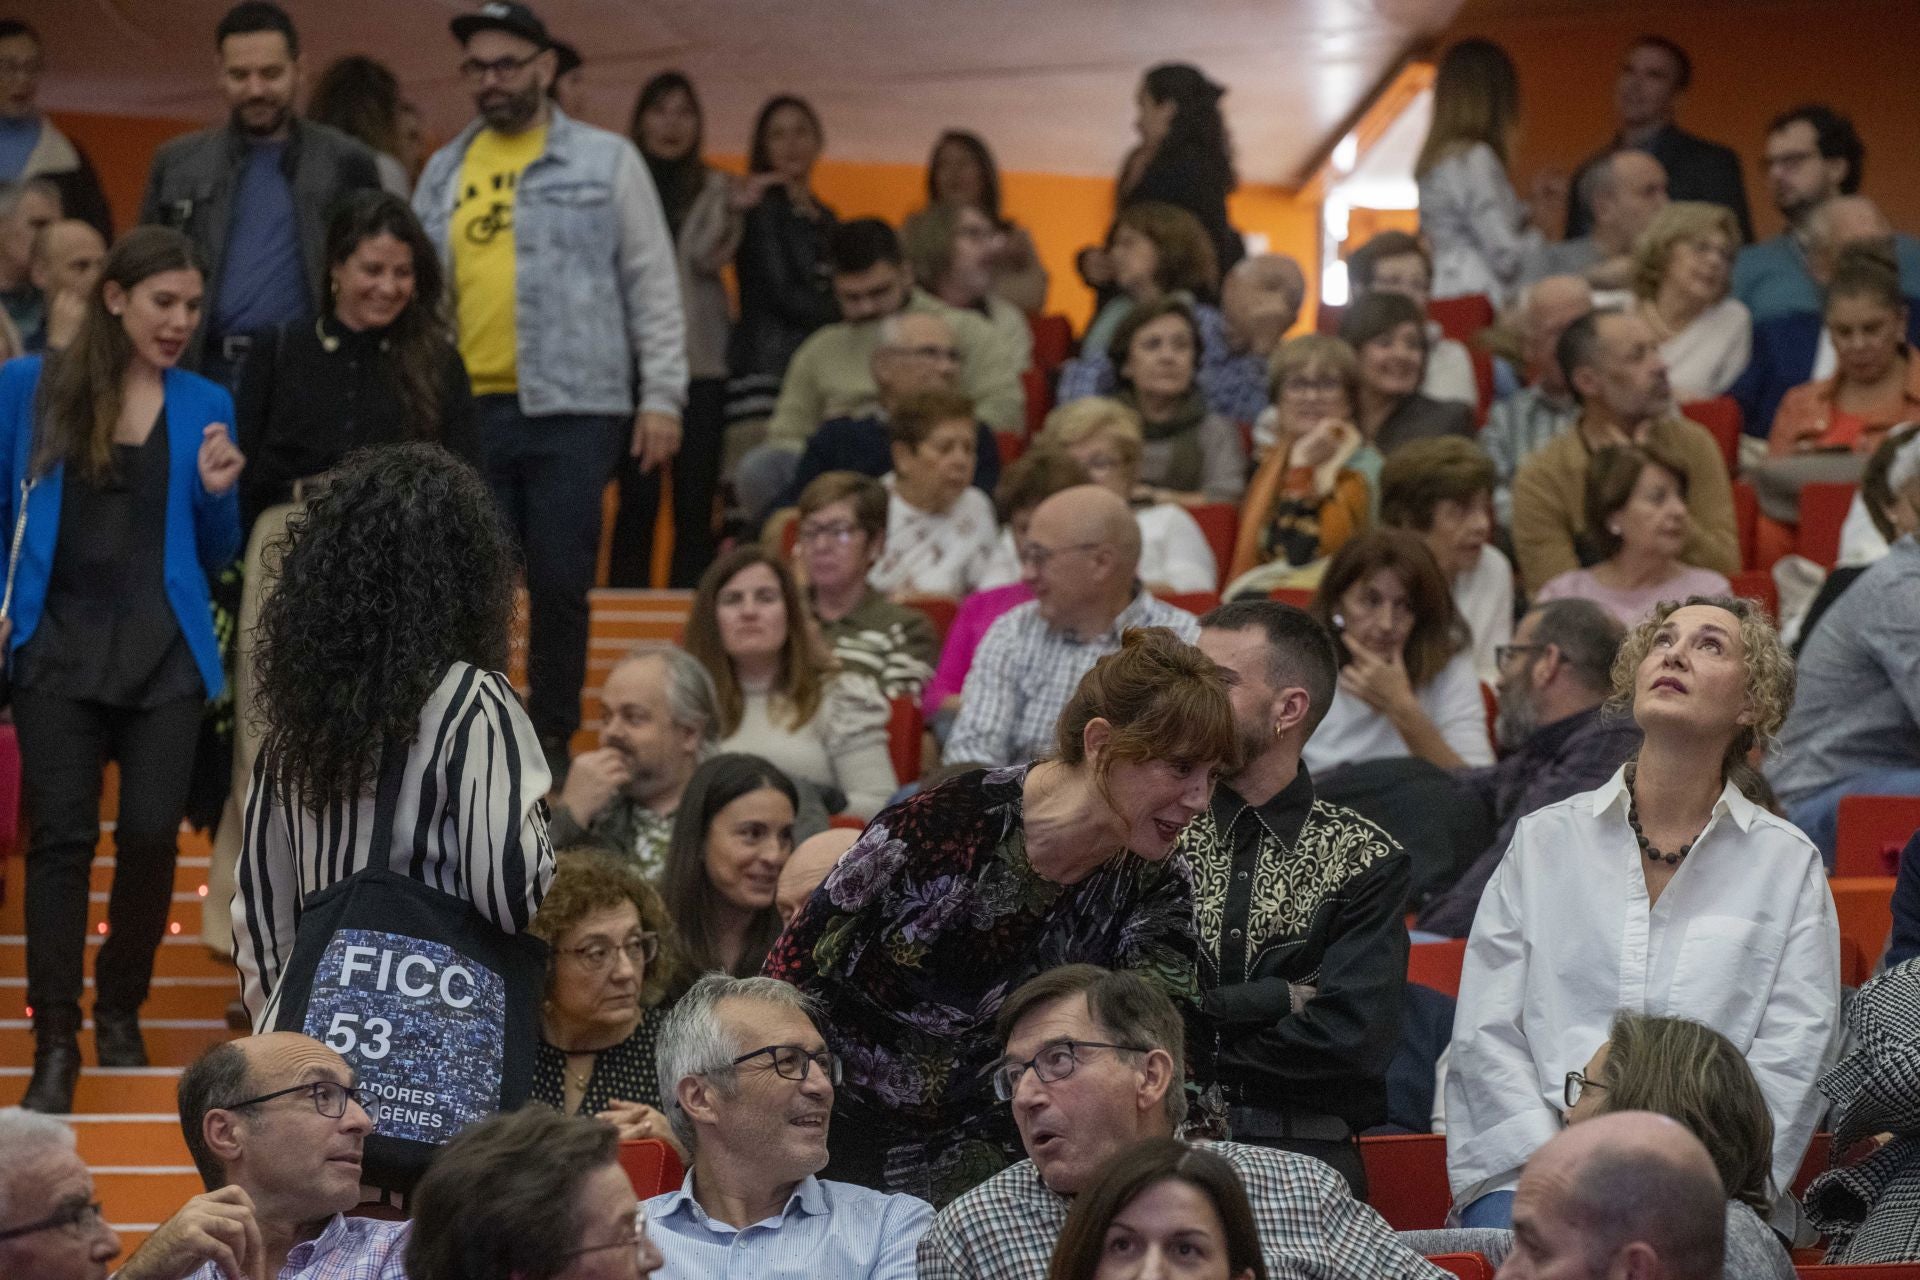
[747, 1083]
[658, 718]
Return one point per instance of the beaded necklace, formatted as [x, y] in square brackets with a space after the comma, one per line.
[1647, 849]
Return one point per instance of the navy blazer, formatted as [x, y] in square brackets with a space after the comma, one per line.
[1784, 349]
[861, 444]
[1696, 170]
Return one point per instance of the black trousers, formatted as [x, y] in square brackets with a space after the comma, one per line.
[547, 474]
[696, 474]
[64, 744]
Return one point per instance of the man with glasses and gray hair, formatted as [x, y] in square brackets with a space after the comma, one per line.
[747, 1082]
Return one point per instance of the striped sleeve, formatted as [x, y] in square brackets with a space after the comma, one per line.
[266, 900]
[497, 781]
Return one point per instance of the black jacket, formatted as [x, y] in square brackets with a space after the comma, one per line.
[1179, 177]
[784, 292]
[1696, 170]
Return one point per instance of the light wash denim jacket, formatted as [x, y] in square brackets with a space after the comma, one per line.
[596, 280]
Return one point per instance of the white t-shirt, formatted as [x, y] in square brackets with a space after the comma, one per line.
[1354, 732]
[1173, 550]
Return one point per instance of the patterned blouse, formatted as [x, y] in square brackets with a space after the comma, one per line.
[913, 943]
[626, 1071]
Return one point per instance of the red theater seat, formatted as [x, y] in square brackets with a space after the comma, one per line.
[1052, 341]
[1461, 318]
[1407, 1179]
[1468, 1266]
[1872, 831]
[904, 731]
[652, 1166]
[1220, 521]
[1437, 964]
[1823, 509]
[1721, 416]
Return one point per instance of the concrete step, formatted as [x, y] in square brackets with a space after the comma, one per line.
[170, 997]
[172, 1042]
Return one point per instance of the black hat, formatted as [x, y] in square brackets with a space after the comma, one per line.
[502, 15]
[568, 56]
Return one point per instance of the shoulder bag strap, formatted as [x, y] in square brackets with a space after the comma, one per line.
[386, 801]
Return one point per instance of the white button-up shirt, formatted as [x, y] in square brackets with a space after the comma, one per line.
[1744, 939]
[827, 1231]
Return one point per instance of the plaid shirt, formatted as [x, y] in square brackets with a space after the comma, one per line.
[349, 1249]
[1025, 671]
[1311, 1227]
[1516, 426]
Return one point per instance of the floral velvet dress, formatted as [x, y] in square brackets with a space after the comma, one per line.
[913, 943]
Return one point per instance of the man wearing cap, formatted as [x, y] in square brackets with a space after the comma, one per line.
[567, 307]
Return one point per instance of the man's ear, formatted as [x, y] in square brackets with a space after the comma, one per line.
[697, 1097]
[1290, 709]
[1156, 1077]
[222, 1131]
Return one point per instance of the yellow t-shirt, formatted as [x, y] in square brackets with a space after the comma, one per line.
[483, 256]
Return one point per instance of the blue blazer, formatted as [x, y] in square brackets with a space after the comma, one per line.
[203, 532]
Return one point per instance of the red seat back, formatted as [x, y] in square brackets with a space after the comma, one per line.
[1468, 1266]
[1461, 318]
[1482, 384]
[1407, 1179]
[1298, 597]
[1194, 602]
[1872, 830]
[1220, 521]
[1860, 1271]
[1052, 341]
[1746, 522]
[1757, 585]
[1721, 416]
[1818, 1153]
[1823, 509]
[1864, 905]
[904, 730]
[940, 611]
[1010, 445]
[1437, 964]
[652, 1166]
[1039, 397]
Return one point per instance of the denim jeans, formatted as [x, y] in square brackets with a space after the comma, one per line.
[1819, 814]
[1494, 1209]
[548, 474]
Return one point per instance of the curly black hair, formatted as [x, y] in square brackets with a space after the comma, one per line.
[398, 569]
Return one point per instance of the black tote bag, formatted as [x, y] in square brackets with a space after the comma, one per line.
[429, 1002]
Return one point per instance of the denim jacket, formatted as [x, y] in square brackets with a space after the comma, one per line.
[597, 284]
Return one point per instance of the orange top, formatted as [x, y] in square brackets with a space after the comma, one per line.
[1343, 512]
[1807, 418]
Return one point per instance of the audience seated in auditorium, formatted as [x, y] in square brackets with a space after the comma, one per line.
[781, 264]
[1090, 1064]
[749, 1085]
[1036, 477]
[1478, 226]
[940, 529]
[1388, 334]
[254, 192]
[51, 1227]
[614, 955]
[1888, 517]
[1866, 1208]
[1557, 739]
[1159, 254]
[1081, 560]
[733, 835]
[529, 1193]
[1855, 726]
[1630, 1194]
[1399, 262]
[1073, 856]
[1638, 528]
[67, 257]
[1158, 1208]
[951, 250]
[1813, 156]
[1521, 423]
[35, 146]
[1185, 155]
[915, 354]
[1261, 299]
[1407, 708]
[27, 209]
[1314, 488]
[961, 171]
[1654, 74]
[1442, 489]
[1104, 436]
[1689, 1072]
[1298, 904]
[840, 531]
[1191, 454]
[1611, 361]
[781, 696]
[659, 717]
[1625, 189]
[1586, 914]
[1876, 378]
[1680, 271]
[276, 1128]
[812, 859]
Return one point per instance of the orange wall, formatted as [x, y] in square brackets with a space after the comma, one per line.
[121, 148]
[1750, 62]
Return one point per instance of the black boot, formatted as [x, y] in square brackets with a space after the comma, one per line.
[56, 1063]
[116, 1039]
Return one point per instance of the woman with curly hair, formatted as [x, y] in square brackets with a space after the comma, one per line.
[1671, 890]
[388, 634]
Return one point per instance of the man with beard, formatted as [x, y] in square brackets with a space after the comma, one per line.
[1298, 902]
[1557, 737]
[254, 193]
[658, 718]
[567, 313]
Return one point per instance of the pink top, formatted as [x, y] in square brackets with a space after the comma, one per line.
[1632, 607]
[977, 613]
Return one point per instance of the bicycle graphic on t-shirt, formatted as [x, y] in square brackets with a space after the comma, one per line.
[498, 217]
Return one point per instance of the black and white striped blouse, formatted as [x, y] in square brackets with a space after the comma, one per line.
[471, 821]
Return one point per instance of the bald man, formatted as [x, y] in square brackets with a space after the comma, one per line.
[64, 267]
[1524, 421]
[1261, 299]
[1080, 559]
[809, 864]
[1627, 1194]
[276, 1126]
[1625, 190]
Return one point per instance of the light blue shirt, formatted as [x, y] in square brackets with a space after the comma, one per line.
[828, 1231]
[1771, 277]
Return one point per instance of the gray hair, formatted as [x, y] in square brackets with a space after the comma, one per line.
[27, 1136]
[694, 1043]
[691, 699]
[1599, 179]
[1586, 635]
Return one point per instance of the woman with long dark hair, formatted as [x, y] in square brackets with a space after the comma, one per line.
[731, 836]
[1185, 157]
[119, 501]
[703, 211]
[361, 98]
[388, 633]
[961, 172]
[376, 368]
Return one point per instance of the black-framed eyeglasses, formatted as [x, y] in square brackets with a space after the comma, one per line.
[1501, 652]
[792, 1061]
[499, 68]
[330, 1098]
[1036, 555]
[1053, 1063]
[1576, 1084]
[597, 956]
[79, 1218]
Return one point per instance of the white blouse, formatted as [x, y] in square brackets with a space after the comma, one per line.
[1354, 731]
[934, 553]
[1173, 550]
[1744, 939]
[1704, 358]
[1484, 597]
[1449, 374]
[1477, 225]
